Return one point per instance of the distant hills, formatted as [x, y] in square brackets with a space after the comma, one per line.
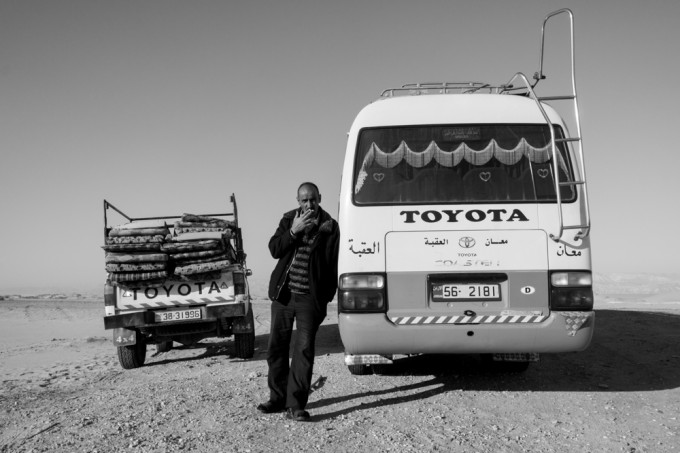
[642, 284]
[51, 296]
[603, 284]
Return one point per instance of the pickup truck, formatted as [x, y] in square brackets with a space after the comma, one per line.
[180, 306]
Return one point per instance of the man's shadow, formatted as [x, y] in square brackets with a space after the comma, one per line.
[327, 342]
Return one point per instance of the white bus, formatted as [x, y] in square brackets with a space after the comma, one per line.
[464, 225]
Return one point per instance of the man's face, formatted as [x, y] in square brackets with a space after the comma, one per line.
[308, 199]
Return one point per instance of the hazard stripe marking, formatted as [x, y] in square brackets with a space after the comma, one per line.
[174, 303]
[493, 319]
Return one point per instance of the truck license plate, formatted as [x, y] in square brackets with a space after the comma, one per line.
[178, 315]
[465, 291]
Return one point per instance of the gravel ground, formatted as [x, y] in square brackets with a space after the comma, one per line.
[68, 393]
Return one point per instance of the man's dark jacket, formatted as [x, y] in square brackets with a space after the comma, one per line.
[323, 259]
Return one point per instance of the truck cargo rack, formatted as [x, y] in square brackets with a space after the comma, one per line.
[233, 216]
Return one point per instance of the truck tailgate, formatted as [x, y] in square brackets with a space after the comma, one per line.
[178, 293]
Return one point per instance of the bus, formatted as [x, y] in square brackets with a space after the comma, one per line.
[465, 224]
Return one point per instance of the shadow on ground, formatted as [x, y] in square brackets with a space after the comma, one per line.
[630, 351]
[327, 342]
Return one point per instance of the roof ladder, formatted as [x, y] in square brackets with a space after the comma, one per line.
[583, 229]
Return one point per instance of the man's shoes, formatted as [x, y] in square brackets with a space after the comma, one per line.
[270, 407]
[299, 415]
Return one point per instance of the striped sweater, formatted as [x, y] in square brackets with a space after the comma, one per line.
[299, 270]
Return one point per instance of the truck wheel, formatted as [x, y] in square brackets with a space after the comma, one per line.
[132, 356]
[164, 346]
[359, 370]
[245, 342]
[245, 345]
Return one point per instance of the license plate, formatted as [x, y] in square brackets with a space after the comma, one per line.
[465, 291]
[178, 315]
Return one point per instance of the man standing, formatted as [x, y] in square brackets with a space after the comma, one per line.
[302, 284]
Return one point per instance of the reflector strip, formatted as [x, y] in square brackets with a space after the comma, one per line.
[421, 320]
[574, 321]
[174, 303]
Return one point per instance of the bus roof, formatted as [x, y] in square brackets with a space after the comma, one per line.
[453, 109]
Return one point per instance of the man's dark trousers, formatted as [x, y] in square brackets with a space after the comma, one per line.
[290, 384]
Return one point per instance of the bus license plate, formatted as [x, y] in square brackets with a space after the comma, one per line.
[178, 315]
[465, 291]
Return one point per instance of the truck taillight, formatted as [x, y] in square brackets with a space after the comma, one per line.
[363, 293]
[109, 299]
[239, 283]
[571, 290]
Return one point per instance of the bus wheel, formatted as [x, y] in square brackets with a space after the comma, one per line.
[515, 367]
[380, 368]
[133, 356]
[359, 370]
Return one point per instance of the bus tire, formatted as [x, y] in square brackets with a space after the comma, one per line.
[380, 368]
[515, 367]
[359, 370]
[131, 357]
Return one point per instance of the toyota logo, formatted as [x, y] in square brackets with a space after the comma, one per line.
[466, 242]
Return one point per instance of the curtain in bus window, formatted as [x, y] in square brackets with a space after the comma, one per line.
[542, 178]
[441, 164]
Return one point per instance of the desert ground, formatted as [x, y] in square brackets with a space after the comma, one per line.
[64, 391]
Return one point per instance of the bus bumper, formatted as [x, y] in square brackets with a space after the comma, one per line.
[364, 333]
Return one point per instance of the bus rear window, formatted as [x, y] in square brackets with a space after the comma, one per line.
[459, 164]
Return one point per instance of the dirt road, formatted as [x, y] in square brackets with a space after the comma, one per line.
[63, 390]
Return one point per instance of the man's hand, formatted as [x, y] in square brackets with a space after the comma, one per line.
[300, 222]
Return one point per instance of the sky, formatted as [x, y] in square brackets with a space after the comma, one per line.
[164, 107]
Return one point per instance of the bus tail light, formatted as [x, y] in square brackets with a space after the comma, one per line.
[571, 291]
[362, 293]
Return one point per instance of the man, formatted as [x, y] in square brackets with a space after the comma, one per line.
[302, 284]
